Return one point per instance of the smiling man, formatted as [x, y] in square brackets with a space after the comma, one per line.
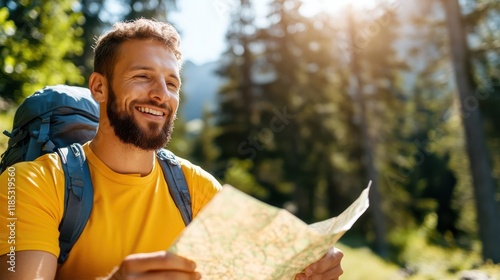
[134, 220]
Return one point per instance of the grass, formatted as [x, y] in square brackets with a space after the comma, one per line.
[422, 261]
[361, 263]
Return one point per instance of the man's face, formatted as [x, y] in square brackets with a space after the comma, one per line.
[143, 95]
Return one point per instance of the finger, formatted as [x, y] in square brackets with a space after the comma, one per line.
[162, 260]
[329, 261]
[178, 275]
[332, 274]
[301, 276]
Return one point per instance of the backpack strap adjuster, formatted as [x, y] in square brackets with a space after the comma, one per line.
[43, 134]
[75, 150]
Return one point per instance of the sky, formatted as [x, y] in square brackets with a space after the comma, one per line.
[203, 23]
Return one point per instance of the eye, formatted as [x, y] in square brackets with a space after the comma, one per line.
[142, 77]
[172, 85]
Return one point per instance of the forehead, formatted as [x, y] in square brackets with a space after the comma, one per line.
[152, 54]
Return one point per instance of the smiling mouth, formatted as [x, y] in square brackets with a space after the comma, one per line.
[150, 111]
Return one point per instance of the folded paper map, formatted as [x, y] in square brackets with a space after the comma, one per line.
[239, 237]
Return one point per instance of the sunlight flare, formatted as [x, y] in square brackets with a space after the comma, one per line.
[312, 7]
[337, 5]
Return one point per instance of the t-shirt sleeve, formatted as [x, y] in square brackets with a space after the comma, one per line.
[31, 206]
[202, 185]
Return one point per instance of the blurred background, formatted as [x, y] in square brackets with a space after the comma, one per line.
[301, 103]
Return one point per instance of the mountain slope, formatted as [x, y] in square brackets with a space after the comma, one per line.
[199, 89]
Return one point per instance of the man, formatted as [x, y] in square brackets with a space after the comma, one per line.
[134, 220]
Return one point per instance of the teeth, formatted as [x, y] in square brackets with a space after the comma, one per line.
[150, 111]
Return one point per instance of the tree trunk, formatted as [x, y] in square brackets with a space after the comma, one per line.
[356, 85]
[484, 186]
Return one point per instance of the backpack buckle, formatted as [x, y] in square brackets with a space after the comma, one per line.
[75, 150]
[8, 134]
[168, 156]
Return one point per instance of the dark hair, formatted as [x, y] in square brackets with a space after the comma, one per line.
[108, 44]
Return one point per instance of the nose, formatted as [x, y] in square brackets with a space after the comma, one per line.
[160, 92]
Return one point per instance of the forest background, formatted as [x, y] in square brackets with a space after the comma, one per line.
[313, 107]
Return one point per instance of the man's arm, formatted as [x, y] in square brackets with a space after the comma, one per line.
[157, 265]
[28, 265]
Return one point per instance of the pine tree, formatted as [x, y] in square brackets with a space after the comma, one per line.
[236, 117]
[297, 51]
[484, 186]
[376, 90]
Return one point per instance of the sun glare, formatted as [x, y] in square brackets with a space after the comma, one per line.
[311, 7]
[335, 5]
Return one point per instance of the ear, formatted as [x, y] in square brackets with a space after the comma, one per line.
[98, 85]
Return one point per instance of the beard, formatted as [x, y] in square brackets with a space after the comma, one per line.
[129, 131]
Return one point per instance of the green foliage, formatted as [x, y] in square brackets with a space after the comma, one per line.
[421, 261]
[484, 185]
[316, 160]
[238, 176]
[180, 144]
[204, 150]
[487, 65]
[39, 40]
[6, 120]
[427, 261]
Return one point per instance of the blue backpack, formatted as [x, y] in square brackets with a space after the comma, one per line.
[60, 119]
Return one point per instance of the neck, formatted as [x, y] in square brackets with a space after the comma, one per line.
[120, 157]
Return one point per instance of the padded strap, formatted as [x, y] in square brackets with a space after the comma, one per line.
[39, 138]
[177, 184]
[34, 149]
[79, 197]
[43, 134]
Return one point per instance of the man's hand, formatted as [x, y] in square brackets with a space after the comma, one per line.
[326, 268]
[156, 265]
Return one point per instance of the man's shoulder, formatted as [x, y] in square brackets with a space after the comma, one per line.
[186, 163]
[48, 163]
[39, 177]
[188, 166]
[196, 174]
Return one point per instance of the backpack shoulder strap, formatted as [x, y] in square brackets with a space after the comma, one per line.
[176, 182]
[78, 197]
[39, 140]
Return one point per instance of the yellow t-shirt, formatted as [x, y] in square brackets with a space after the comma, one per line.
[130, 214]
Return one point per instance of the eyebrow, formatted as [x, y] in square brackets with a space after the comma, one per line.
[140, 67]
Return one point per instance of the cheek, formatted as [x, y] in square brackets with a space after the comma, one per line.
[123, 105]
[174, 103]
